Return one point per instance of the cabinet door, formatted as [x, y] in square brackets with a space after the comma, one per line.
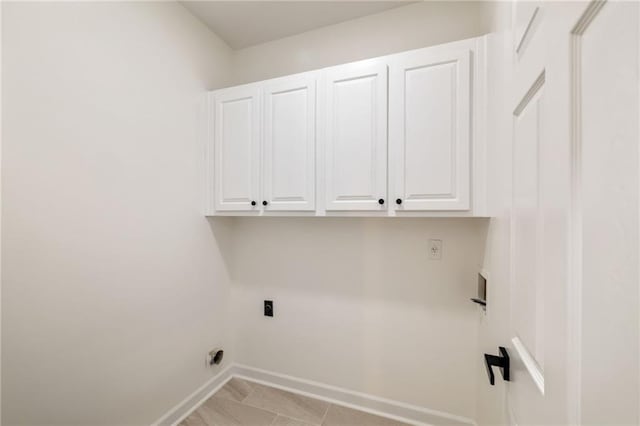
[429, 130]
[356, 136]
[289, 143]
[237, 148]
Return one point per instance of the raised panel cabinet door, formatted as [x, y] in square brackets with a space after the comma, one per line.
[430, 130]
[356, 137]
[289, 143]
[237, 148]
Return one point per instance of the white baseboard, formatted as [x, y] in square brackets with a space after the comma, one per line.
[193, 401]
[361, 401]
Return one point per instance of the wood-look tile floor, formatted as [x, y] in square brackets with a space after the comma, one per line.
[241, 402]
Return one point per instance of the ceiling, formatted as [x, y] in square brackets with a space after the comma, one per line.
[246, 23]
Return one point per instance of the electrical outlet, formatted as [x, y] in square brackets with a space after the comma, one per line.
[268, 308]
[435, 249]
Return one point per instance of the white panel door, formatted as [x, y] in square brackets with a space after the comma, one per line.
[356, 136]
[429, 129]
[237, 148]
[529, 346]
[289, 143]
[605, 105]
[574, 331]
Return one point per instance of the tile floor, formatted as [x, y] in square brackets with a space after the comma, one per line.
[241, 402]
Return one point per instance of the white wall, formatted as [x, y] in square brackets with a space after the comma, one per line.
[409, 27]
[103, 326]
[114, 284]
[1, 32]
[358, 304]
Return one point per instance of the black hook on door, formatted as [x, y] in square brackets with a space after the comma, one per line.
[501, 361]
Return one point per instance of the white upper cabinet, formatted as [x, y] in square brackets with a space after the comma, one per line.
[399, 135]
[236, 142]
[430, 129]
[355, 136]
[289, 143]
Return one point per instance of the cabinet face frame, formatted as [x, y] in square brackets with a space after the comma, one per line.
[304, 200]
[249, 163]
[456, 67]
[337, 197]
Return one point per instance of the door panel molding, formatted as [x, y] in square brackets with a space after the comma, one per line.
[237, 148]
[584, 36]
[530, 363]
[356, 137]
[289, 175]
[435, 131]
